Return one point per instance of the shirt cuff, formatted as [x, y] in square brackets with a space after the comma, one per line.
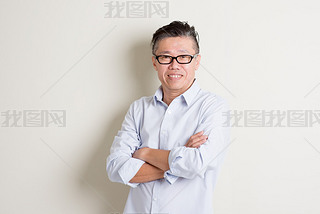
[174, 155]
[169, 177]
[174, 158]
[129, 169]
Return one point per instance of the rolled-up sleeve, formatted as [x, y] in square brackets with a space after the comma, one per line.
[121, 167]
[190, 162]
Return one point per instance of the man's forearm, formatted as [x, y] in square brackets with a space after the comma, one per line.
[147, 173]
[158, 158]
[155, 157]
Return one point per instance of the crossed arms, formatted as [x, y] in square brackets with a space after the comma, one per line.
[130, 164]
[157, 160]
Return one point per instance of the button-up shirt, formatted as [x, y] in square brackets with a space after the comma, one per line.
[187, 187]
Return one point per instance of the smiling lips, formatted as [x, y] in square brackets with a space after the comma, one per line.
[174, 76]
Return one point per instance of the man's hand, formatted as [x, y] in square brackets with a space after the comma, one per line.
[196, 140]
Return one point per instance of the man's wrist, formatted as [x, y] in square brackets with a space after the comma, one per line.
[145, 154]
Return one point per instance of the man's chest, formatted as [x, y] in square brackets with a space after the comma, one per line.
[166, 128]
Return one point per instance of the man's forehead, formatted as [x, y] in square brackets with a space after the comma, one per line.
[172, 45]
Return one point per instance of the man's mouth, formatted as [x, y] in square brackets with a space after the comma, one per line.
[175, 76]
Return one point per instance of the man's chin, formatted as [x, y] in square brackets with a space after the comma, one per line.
[177, 89]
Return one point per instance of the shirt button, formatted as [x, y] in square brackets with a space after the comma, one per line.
[154, 199]
[169, 112]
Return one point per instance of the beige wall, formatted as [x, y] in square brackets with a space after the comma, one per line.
[65, 55]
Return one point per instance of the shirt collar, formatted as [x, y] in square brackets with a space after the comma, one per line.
[188, 95]
[158, 95]
[191, 93]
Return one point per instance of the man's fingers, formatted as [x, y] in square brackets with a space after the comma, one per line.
[192, 138]
[196, 145]
[199, 140]
[196, 138]
[196, 135]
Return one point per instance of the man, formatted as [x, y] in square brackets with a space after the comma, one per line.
[171, 145]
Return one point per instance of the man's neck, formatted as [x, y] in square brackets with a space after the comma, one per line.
[169, 95]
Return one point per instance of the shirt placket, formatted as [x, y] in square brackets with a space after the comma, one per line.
[165, 127]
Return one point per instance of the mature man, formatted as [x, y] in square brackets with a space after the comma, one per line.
[171, 145]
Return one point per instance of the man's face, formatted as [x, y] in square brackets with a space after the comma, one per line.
[176, 78]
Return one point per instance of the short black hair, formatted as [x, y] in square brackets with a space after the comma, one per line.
[175, 29]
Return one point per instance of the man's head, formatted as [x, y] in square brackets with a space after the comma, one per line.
[175, 56]
[175, 29]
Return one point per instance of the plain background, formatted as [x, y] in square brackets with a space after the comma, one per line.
[259, 55]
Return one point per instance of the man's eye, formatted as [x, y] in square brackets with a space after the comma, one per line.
[166, 57]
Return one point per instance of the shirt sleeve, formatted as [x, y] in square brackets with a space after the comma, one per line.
[190, 162]
[121, 167]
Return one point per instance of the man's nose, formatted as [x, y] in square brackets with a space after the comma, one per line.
[174, 64]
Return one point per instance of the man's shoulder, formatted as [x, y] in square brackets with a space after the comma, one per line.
[142, 101]
[212, 100]
[210, 97]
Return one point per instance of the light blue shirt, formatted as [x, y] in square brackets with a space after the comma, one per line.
[187, 187]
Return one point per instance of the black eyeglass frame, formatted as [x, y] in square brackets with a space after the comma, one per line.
[176, 58]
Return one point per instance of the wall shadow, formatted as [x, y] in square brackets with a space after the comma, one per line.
[145, 82]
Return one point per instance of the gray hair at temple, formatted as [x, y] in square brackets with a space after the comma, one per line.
[175, 29]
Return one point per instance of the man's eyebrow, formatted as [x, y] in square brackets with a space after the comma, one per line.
[165, 52]
[169, 52]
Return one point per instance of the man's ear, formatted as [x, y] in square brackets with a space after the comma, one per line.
[198, 59]
[154, 63]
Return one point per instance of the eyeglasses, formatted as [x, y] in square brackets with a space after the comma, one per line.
[181, 59]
